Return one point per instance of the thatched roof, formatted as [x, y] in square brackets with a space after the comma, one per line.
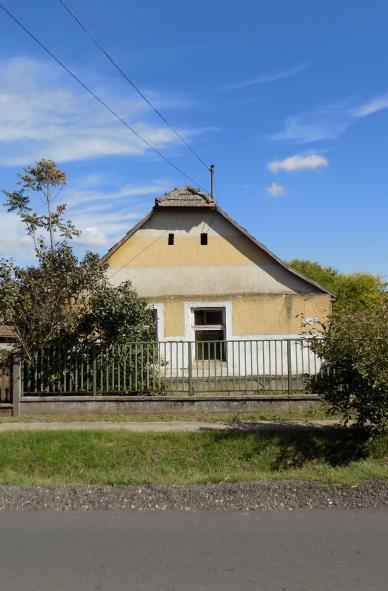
[186, 196]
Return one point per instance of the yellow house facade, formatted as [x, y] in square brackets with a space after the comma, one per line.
[208, 279]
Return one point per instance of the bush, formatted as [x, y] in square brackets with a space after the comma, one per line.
[355, 353]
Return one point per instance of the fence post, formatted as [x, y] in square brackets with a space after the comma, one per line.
[289, 368]
[16, 384]
[94, 382]
[191, 391]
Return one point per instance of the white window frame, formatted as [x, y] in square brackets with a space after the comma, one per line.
[189, 308]
[209, 327]
[159, 319]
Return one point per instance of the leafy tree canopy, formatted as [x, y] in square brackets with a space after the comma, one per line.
[62, 299]
[354, 291]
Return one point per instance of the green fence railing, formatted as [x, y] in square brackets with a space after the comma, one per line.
[282, 366]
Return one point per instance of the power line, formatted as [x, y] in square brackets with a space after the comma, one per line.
[75, 77]
[118, 68]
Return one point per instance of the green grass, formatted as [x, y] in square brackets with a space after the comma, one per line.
[316, 412]
[72, 457]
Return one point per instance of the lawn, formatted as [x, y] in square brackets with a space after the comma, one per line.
[328, 455]
[316, 412]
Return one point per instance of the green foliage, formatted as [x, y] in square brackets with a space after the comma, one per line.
[355, 350]
[62, 300]
[66, 302]
[354, 291]
[44, 303]
[116, 315]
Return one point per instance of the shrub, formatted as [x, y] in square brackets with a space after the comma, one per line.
[355, 377]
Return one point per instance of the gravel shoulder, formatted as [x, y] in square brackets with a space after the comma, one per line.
[249, 496]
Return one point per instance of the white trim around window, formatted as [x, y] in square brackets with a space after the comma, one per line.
[189, 308]
[160, 319]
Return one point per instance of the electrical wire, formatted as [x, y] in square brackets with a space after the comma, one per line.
[118, 68]
[85, 87]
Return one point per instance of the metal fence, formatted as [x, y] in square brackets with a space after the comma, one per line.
[282, 366]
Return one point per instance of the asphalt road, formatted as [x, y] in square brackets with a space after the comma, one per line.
[277, 551]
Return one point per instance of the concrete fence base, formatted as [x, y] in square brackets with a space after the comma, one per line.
[84, 405]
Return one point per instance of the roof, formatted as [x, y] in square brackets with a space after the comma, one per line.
[188, 196]
[6, 332]
[185, 197]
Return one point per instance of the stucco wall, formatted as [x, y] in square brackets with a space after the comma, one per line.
[229, 264]
[252, 315]
[263, 297]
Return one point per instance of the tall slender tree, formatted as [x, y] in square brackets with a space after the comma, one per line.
[44, 180]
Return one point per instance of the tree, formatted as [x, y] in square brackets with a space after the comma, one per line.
[61, 299]
[116, 315]
[355, 291]
[355, 377]
[45, 180]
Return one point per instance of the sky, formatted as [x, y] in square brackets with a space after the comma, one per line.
[289, 100]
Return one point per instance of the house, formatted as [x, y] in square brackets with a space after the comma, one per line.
[208, 279]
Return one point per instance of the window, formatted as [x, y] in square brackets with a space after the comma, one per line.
[209, 329]
[171, 239]
[208, 316]
[203, 239]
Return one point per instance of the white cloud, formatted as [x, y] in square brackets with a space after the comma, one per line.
[92, 236]
[42, 114]
[373, 106]
[299, 163]
[267, 79]
[79, 197]
[276, 190]
[327, 122]
[14, 243]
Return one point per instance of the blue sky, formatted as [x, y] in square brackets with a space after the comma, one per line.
[288, 99]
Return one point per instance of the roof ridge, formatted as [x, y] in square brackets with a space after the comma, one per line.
[185, 196]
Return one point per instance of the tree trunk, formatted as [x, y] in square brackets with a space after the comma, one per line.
[52, 243]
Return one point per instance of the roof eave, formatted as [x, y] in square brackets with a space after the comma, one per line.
[130, 233]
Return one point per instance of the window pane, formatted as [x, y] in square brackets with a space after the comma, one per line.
[208, 317]
[213, 317]
[199, 317]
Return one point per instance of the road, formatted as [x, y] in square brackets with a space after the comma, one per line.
[266, 551]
